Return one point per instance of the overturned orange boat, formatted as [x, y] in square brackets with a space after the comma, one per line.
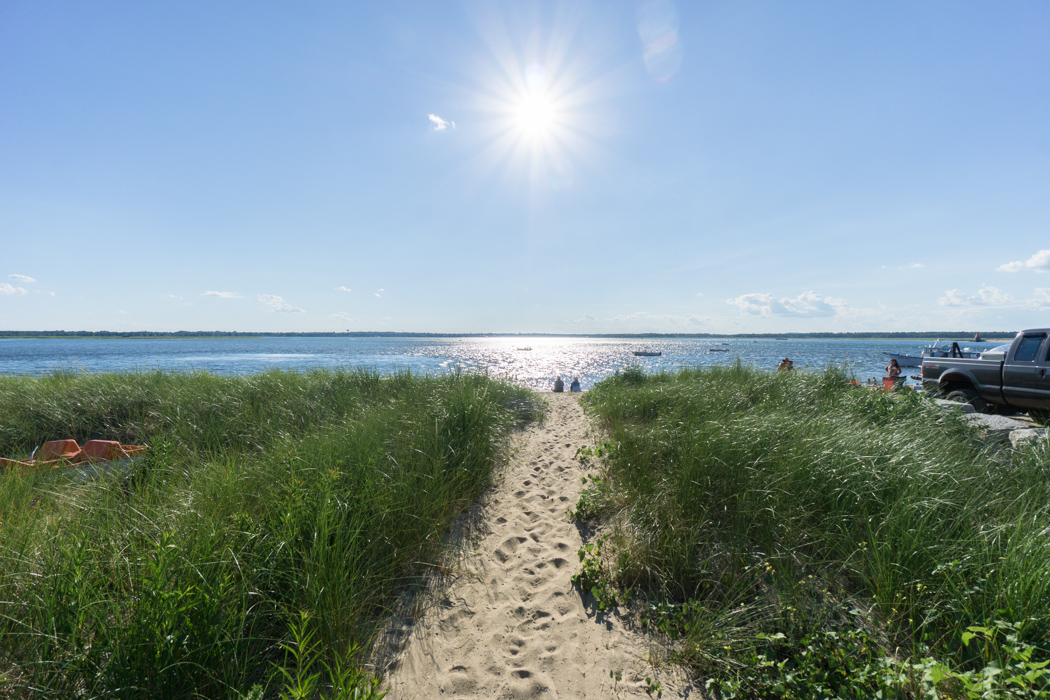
[67, 453]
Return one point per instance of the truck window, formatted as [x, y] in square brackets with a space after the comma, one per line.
[1028, 348]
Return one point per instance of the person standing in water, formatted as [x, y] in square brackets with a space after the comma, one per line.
[559, 385]
[785, 365]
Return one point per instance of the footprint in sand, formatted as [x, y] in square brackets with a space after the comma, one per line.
[521, 630]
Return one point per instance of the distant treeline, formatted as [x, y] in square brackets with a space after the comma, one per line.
[947, 335]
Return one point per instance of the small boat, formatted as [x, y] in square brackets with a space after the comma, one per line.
[524, 349]
[645, 353]
[718, 349]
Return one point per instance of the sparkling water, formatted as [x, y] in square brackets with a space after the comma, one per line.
[590, 359]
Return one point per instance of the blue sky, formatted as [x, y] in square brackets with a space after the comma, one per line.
[524, 166]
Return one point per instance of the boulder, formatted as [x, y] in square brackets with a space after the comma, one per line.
[964, 407]
[1026, 436]
[994, 423]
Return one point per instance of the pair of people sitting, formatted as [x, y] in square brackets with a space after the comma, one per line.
[559, 385]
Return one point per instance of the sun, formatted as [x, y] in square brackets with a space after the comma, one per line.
[534, 115]
[534, 109]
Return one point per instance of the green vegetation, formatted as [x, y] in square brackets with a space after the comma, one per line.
[805, 538]
[254, 550]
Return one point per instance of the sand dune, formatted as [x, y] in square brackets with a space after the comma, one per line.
[512, 625]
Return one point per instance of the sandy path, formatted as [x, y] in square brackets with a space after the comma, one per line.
[513, 626]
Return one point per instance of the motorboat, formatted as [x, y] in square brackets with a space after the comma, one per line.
[527, 349]
[718, 349]
[645, 353]
[936, 349]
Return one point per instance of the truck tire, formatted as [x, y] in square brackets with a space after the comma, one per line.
[968, 396]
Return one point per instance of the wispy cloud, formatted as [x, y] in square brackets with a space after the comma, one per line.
[985, 296]
[173, 296]
[275, 303]
[377, 292]
[439, 123]
[586, 318]
[805, 305]
[343, 289]
[222, 295]
[1040, 262]
[912, 266]
[22, 278]
[6, 288]
[345, 317]
[670, 319]
[1042, 297]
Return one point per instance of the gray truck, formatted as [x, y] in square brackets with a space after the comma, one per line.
[1005, 380]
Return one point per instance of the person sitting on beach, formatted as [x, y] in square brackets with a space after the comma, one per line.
[559, 385]
[575, 386]
[893, 369]
[785, 365]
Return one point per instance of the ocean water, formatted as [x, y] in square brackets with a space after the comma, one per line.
[590, 359]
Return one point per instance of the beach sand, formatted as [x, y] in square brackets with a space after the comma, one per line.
[506, 621]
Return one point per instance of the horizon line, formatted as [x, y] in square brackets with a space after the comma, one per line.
[443, 334]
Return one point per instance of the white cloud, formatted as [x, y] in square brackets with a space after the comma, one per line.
[344, 316]
[6, 288]
[1042, 297]
[343, 289]
[22, 278]
[586, 318]
[699, 294]
[985, 296]
[439, 123]
[222, 295]
[278, 304]
[173, 296]
[1040, 262]
[805, 305]
[913, 266]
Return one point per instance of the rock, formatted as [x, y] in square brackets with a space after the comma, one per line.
[1026, 436]
[996, 425]
[964, 407]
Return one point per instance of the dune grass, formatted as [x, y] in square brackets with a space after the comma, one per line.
[257, 546]
[810, 539]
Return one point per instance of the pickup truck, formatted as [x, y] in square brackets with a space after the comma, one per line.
[1002, 381]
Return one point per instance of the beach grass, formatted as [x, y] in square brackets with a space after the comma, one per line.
[804, 537]
[259, 544]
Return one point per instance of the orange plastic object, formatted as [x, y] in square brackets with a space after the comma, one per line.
[12, 463]
[102, 450]
[888, 383]
[59, 449]
[67, 453]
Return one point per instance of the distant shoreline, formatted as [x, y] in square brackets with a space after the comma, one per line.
[908, 335]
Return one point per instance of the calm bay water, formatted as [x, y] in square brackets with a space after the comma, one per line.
[590, 359]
